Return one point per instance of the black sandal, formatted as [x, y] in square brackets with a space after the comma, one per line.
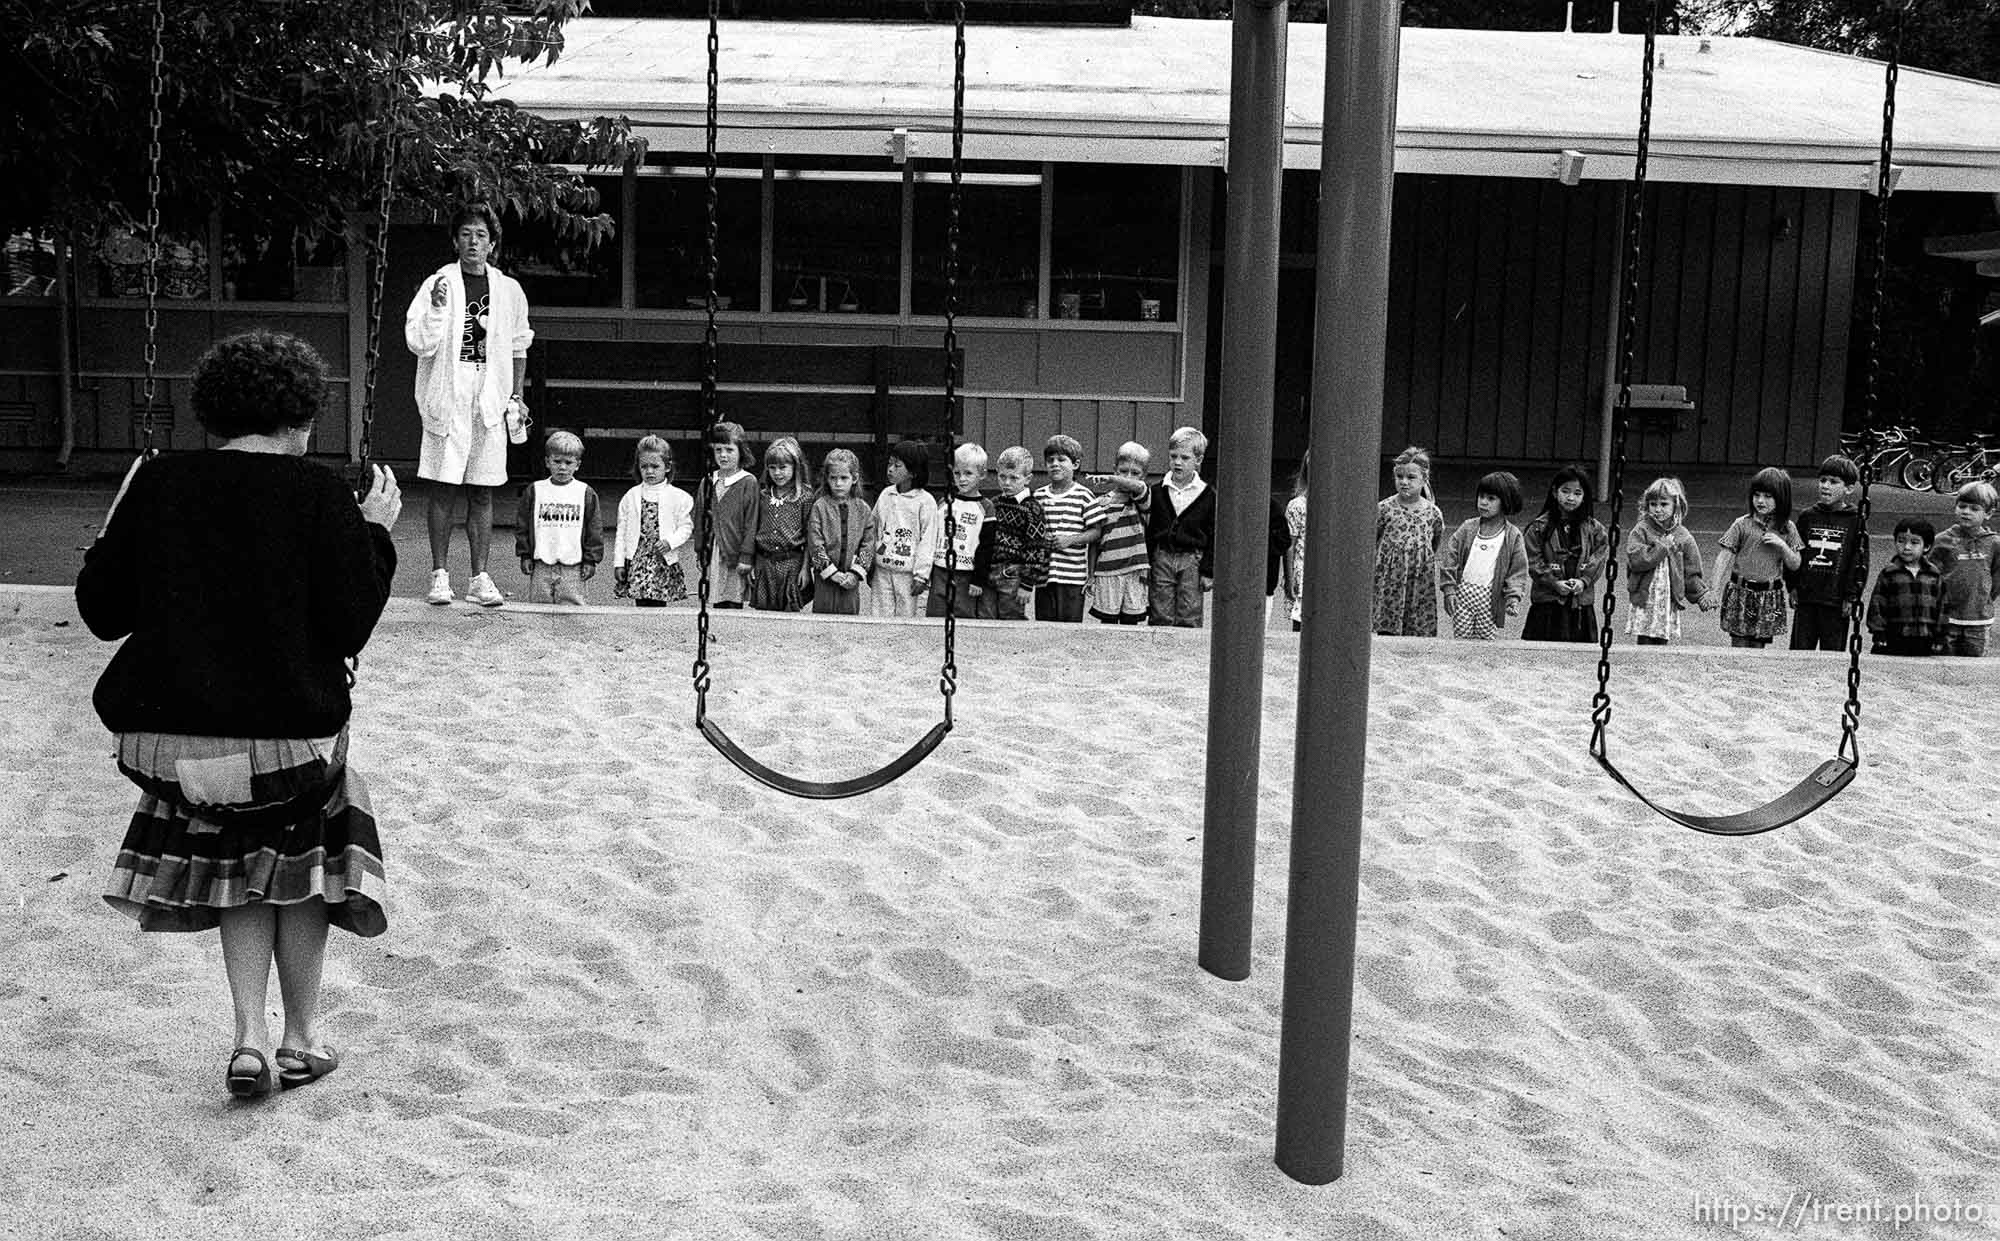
[249, 1085]
[315, 1068]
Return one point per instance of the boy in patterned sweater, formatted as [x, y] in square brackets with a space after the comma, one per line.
[1115, 523]
[1014, 556]
[1063, 502]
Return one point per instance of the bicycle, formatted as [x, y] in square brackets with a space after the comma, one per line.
[1955, 467]
[1901, 456]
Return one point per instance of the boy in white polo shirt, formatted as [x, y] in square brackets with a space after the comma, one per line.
[559, 538]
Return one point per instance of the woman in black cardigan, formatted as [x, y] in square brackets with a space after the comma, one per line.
[242, 579]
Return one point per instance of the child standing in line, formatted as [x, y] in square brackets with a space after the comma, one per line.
[1567, 548]
[1833, 536]
[654, 519]
[1968, 558]
[961, 528]
[1662, 565]
[559, 536]
[1903, 611]
[1180, 534]
[1484, 566]
[905, 532]
[731, 496]
[1408, 531]
[778, 574]
[1117, 522]
[1063, 502]
[1295, 525]
[1016, 546]
[841, 538]
[1758, 549]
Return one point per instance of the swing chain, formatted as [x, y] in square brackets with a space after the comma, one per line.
[709, 414]
[948, 674]
[153, 126]
[1850, 714]
[1628, 334]
[380, 265]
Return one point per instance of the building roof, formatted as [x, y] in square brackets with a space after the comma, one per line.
[1471, 102]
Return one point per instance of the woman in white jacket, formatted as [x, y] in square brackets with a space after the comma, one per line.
[468, 326]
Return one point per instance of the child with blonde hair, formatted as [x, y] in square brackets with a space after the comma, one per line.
[1484, 567]
[1116, 520]
[961, 528]
[558, 534]
[1758, 549]
[1180, 530]
[841, 536]
[1662, 565]
[1968, 560]
[778, 573]
[655, 519]
[1017, 545]
[1409, 528]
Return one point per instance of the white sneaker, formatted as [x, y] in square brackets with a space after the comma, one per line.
[440, 586]
[482, 591]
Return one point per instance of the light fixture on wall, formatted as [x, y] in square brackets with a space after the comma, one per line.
[1781, 228]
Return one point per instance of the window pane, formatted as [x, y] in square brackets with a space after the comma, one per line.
[1114, 242]
[673, 233]
[566, 271]
[837, 242]
[999, 239]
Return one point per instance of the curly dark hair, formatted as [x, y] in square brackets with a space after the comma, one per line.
[257, 383]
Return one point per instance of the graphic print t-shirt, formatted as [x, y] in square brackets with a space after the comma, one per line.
[472, 334]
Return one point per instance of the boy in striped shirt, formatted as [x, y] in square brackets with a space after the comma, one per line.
[1063, 502]
[1116, 525]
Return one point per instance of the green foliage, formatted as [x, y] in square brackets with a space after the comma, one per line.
[282, 109]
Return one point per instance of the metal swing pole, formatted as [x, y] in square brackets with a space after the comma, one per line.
[1357, 181]
[1243, 486]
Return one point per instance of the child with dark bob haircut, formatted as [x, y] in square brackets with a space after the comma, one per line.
[1484, 566]
[1758, 549]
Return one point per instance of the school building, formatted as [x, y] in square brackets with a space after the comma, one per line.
[1093, 210]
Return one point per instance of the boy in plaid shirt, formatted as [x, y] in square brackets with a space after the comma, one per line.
[1903, 613]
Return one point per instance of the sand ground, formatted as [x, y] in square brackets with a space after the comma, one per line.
[626, 993]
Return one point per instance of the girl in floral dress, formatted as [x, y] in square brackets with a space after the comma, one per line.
[654, 520]
[778, 573]
[1295, 555]
[1408, 530]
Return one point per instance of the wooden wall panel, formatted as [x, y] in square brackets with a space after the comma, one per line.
[1589, 267]
[1716, 397]
[1426, 217]
[1690, 364]
[1041, 417]
[1155, 421]
[1493, 221]
[1810, 226]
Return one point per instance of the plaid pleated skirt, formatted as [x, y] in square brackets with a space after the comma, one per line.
[224, 822]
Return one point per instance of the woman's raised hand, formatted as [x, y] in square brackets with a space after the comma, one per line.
[384, 501]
